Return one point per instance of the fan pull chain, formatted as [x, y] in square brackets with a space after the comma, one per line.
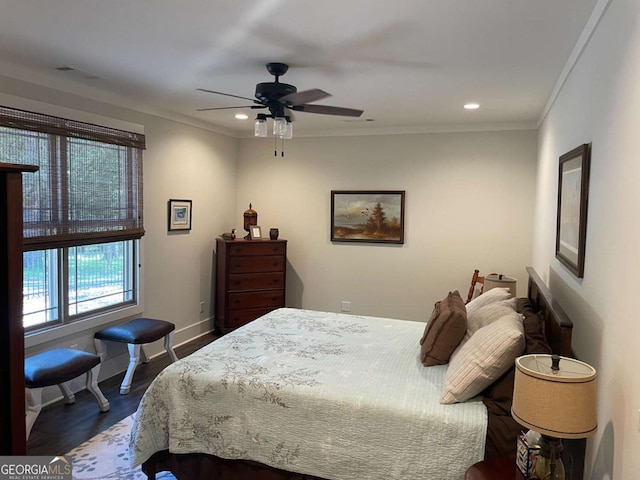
[275, 146]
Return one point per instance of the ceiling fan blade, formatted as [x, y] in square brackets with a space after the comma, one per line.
[305, 96]
[227, 94]
[227, 108]
[328, 110]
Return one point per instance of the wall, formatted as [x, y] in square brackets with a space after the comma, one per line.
[469, 202]
[600, 103]
[182, 162]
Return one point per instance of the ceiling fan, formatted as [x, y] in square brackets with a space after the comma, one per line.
[277, 97]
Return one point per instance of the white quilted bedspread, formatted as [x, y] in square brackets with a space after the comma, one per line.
[332, 395]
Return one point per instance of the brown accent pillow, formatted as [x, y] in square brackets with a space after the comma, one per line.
[444, 331]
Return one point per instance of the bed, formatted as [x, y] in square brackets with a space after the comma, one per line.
[301, 394]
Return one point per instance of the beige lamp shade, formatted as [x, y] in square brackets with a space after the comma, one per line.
[499, 280]
[559, 402]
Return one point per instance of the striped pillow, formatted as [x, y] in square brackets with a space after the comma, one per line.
[479, 362]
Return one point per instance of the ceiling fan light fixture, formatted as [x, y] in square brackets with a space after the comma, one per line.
[279, 126]
[277, 97]
[260, 127]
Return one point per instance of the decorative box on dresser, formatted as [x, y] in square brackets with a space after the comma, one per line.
[250, 280]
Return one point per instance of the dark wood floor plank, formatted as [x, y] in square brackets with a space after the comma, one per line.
[59, 427]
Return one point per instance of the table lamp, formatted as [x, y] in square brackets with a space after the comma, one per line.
[556, 397]
[499, 280]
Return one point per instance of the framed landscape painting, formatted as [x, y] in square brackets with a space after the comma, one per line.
[368, 216]
[573, 195]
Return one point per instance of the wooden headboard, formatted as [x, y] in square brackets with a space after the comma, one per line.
[557, 325]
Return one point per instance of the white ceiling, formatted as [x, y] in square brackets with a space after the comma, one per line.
[409, 64]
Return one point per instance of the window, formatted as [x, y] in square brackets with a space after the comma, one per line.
[71, 283]
[82, 215]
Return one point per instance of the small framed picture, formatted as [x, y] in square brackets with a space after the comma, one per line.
[179, 215]
[256, 232]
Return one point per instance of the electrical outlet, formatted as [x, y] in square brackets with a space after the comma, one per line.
[346, 306]
[201, 307]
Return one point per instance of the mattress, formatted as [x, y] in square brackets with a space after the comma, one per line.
[332, 395]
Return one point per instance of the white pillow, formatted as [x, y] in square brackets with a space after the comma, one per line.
[483, 316]
[494, 295]
[483, 359]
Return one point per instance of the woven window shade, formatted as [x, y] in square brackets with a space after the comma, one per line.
[89, 186]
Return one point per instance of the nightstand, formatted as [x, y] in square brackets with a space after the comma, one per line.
[494, 469]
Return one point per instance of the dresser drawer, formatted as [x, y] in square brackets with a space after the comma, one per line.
[267, 298]
[257, 247]
[237, 318]
[255, 281]
[268, 263]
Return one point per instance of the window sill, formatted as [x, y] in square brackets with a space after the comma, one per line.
[92, 323]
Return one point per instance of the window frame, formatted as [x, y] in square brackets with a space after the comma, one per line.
[98, 320]
[131, 143]
[60, 280]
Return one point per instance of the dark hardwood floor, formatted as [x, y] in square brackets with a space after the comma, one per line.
[60, 427]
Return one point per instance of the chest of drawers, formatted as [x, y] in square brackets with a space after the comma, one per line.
[250, 280]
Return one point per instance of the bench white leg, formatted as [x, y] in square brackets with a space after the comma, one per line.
[143, 355]
[101, 349]
[168, 346]
[134, 360]
[92, 386]
[68, 395]
[33, 396]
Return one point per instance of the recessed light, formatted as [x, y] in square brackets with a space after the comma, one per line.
[471, 106]
[242, 116]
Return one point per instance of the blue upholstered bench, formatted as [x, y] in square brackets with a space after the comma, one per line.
[136, 333]
[56, 367]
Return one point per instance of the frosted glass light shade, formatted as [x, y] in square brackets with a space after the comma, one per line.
[288, 133]
[279, 126]
[260, 127]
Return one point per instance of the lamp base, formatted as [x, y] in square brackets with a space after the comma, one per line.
[549, 465]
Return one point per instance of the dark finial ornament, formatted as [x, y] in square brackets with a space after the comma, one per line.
[250, 218]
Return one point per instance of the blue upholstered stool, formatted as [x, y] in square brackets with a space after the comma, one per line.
[136, 333]
[56, 367]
